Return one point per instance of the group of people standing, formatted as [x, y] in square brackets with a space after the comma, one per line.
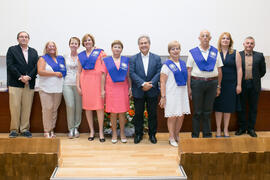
[219, 78]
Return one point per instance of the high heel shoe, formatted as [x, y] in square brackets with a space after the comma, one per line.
[101, 140]
[91, 138]
[173, 143]
[47, 135]
[124, 140]
[53, 135]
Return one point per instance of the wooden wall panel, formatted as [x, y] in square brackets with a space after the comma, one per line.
[263, 123]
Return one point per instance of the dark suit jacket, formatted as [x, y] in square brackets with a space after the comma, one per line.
[17, 66]
[138, 77]
[258, 68]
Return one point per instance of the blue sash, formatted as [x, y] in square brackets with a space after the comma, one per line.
[117, 75]
[179, 76]
[57, 67]
[202, 64]
[89, 63]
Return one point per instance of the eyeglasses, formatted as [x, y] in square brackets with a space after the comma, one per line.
[26, 37]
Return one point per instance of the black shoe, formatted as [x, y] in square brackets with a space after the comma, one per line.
[193, 135]
[137, 139]
[207, 135]
[153, 139]
[240, 132]
[13, 134]
[91, 138]
[102, 140]
[252, 133]
[26, 134]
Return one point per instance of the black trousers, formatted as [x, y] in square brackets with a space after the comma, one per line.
[203, 96]
[151, 106]
[248, 96]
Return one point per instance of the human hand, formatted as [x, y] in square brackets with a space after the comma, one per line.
[218, 92]
[102, 94]
[147, 86]
[130, 92]
[79, 90]
[190, 93]
[58, 74]
[162, 102]
[238, 89]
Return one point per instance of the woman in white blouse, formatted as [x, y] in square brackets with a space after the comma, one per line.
[51, 72]
[174, 94]
[71, 96]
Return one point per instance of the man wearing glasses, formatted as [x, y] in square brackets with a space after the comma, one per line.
[21, 75]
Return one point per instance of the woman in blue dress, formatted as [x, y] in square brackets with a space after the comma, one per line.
[226, 102]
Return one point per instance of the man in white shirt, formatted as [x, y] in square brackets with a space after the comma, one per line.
[21, 75]
[204, 79]
[144, 71]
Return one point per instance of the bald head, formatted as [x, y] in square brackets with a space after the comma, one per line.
[205, 38]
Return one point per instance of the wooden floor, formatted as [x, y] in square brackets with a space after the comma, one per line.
[81, 158]
[84, 159]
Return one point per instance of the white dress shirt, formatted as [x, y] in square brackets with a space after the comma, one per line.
[145, 60]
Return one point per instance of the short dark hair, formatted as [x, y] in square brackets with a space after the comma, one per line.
[22, 32]
[75, 38]
[117, 42]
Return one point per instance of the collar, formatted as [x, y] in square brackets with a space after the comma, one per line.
[147, 55]
[248, 54]
[24, 49]
[202, 50]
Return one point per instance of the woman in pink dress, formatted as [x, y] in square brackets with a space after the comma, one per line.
[117, 89]
[90, 83]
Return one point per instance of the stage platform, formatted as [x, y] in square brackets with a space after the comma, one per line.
[81, 159]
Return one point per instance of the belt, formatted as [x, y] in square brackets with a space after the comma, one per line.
[204, 79]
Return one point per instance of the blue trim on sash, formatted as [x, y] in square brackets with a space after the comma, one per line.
[89, 63]
[60, 66]
[205, 65]
[179, 76]
[117, 75]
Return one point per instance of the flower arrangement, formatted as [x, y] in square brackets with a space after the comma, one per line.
[129, 127]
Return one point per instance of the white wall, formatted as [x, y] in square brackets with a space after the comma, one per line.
[107, 20]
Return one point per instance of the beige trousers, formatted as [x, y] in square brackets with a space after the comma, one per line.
[20, 105]
[49, 103]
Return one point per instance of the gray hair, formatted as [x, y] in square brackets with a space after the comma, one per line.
[250, 37]
[21, 33]
[144, 36]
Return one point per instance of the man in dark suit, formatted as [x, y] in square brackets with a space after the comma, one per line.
[21, 75]
[253, 65]
[144, 72]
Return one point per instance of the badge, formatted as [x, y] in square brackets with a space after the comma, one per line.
[95, 53]
[213, 54]
[62, 66]
[124, 66]
[173, 68]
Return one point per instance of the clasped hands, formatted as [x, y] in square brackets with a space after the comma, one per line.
[147, 86]
[25, 79]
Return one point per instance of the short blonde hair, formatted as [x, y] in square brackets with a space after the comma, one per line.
[231, 42]
[173, 44]
[46, 45]
[118, 42]
[76, 39]
[86, 36]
